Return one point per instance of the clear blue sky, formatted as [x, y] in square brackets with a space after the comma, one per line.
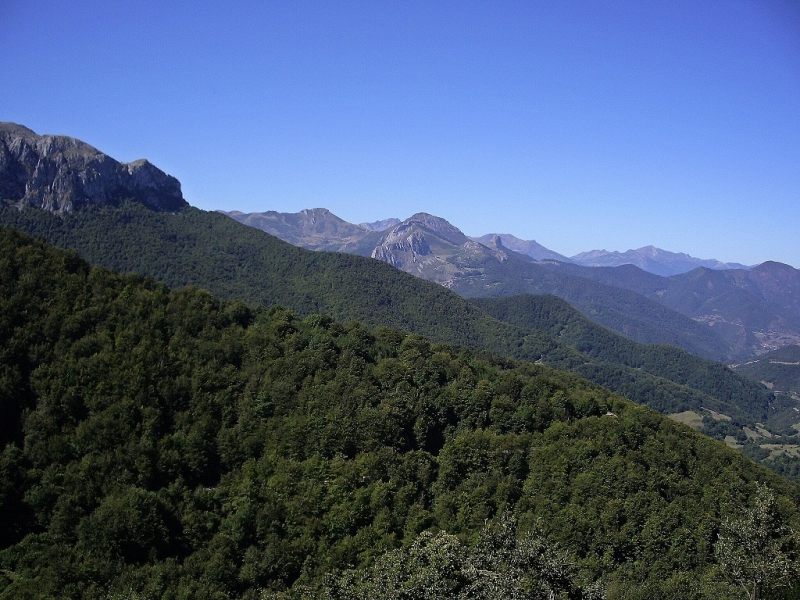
[580, 124]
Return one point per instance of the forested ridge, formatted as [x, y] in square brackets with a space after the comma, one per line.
[216, 253]
[611, 356]
[234, 261]
[162, 443]
[779, 368]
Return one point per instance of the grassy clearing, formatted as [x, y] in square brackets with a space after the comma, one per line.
[688, 417]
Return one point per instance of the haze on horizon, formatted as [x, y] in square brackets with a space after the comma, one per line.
[587, 125]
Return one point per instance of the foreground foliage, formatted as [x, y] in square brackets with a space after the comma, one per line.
[161, 443]
[500, 566]
[757, 550]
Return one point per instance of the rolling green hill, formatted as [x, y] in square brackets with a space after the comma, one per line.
[162, 443]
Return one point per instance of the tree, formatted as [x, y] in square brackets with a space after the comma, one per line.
[757, 550]
[502, 565]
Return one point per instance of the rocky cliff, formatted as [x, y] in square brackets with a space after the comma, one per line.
[59, 174]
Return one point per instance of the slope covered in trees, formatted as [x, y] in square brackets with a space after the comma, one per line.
[211, 251]
[780, 369]
[612, 356]
[214, 252]
[162, 443]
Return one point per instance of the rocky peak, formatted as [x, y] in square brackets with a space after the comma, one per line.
[60, 173]
[437, 225]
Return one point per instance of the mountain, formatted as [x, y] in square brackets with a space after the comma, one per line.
[60, 174]
[740, 319]
[528, 247]
[163, 443]
[650, 259]
[381, 225]
[753, 310]
[209, 250]
[431, 248]
[315, 229]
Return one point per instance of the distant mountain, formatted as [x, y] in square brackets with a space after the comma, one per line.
[753, 310]
[650, 259]
[60, 173]
[319, 229]
[380, 225]
[431, 248]
[528, 247]
[315, 229]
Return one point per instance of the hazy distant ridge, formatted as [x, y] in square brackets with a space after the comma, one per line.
[320, 229]
[530, 247]
[652, 260]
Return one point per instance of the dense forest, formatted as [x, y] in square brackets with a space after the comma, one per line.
[234, 261]
[211, 251]
[679, 380]
[163, 443]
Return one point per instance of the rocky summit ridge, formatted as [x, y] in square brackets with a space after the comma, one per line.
[60, 174]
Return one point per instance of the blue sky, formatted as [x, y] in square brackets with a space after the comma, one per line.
[580, 124]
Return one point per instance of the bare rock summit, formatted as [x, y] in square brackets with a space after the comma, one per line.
[60, 174]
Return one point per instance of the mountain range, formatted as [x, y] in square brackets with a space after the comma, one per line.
[737, 312]
[651, 259]
[197, 248]
[327, 410]
[319, 229]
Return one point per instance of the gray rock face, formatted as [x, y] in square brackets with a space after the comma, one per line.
[59, 174]
[402, 246]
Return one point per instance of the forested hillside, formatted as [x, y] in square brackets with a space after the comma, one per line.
[214, 252]
[232, 261]
[612, 356]
[162, 443]
[211, 251]
[780, 370]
